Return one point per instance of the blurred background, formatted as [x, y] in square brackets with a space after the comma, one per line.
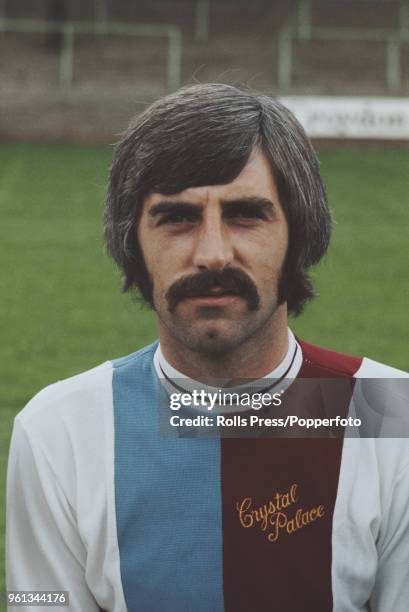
[76, 69]
[72, 73]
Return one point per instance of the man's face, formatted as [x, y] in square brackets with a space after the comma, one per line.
[215, 254]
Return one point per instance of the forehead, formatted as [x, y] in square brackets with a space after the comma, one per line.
[255, 180]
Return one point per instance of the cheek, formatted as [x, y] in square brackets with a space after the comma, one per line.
[266, 255]
[169, 260]
[152, 251]
[279, 247]
[163, 271]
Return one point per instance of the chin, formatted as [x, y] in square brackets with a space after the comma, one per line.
[212, 341]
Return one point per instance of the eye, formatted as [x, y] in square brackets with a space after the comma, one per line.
[175, 218]
[245, 213]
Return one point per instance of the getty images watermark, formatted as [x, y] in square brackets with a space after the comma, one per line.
[238, 420]
[255, 401]
[300, 407]
[209, 400]
[203, 412]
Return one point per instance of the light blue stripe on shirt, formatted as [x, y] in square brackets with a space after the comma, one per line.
[168, 501]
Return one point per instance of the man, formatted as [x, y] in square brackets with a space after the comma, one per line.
[215, 212]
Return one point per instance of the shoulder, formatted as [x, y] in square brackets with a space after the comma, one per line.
[378, 395]
[78, 401]
[74, 395]
[67, 429]
[374, 369]
[319, 361]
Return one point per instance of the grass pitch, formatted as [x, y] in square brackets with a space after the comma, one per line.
[61, 310]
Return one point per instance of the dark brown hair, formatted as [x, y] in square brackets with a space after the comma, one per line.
[204, 135]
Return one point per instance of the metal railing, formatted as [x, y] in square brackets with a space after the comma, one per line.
[70, 29]
[304, 30]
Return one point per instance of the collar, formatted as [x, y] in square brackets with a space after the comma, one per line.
[277, 380]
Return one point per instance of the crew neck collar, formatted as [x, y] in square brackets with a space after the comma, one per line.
[278, 379]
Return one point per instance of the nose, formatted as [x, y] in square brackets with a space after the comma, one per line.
[213, 249]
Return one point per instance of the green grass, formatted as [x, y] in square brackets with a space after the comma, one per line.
[61, 310]
[363, 283]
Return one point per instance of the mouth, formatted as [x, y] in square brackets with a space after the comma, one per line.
[214, 288]
[216, 296]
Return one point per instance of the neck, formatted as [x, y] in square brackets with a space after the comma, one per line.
[254, 358]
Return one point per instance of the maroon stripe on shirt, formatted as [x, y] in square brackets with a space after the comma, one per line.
[278, 499]
[280, 563]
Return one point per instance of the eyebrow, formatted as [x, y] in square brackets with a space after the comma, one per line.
[170, 206]
[262, 204]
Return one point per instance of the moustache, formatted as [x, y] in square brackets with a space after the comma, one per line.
[229, 280]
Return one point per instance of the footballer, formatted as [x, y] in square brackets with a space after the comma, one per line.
[215, 213]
